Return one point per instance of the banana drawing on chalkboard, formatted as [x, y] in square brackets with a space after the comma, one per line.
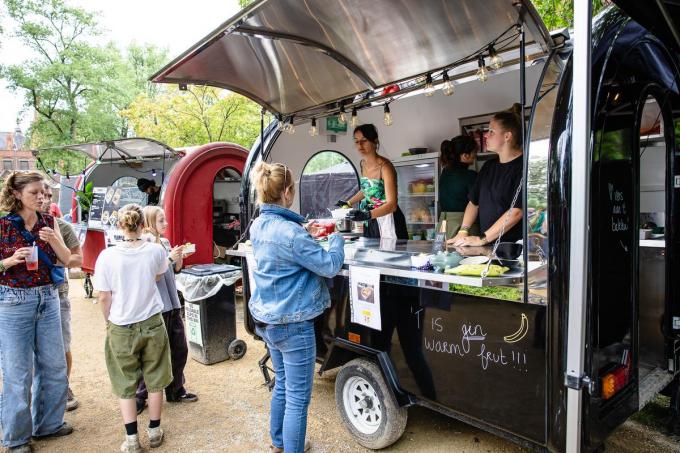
[521, 333]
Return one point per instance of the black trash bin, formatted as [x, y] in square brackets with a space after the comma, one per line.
[210, 312]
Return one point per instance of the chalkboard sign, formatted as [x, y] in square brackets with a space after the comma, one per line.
[96, 208]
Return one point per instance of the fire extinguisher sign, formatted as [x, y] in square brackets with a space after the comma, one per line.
[193, 317]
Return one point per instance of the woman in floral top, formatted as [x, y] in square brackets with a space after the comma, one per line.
[378, 194]
[33, 360]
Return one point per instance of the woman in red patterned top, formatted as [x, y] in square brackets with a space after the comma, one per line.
[31, 346]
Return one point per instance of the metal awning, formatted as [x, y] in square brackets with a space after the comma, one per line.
[124, 149]
[661, 17]
[293, 56]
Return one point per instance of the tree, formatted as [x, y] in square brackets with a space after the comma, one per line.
[560, 13]
[198, 115]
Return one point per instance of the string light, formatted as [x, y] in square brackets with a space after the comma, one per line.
[429, 86]
[447, 86]
[282, 125]
[387, 117]
[291, 127]
[354, 122]
[343, 116]
[482, 72]
[153, 172]
[496, 60]
[313, 131]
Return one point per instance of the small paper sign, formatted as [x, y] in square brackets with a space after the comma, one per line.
[365, 296]
[192, 313]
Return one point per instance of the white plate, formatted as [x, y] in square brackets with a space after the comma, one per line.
[340, 213]
[474, 260]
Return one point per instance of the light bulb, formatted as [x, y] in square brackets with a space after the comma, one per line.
[447, 86]
[313, 131]
[482, 72]
[496, 60]
[387, 119]
[153, 172]
[282, 124]
[429, 87]
[354, 122]
[343, 116]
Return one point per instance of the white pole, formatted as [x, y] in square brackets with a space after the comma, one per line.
[578, 252]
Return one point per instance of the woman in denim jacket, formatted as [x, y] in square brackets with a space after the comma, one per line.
[289, 293]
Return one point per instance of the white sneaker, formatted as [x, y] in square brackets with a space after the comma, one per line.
[131, 444]
[155, 436]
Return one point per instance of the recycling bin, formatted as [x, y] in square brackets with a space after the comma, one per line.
[210, 312]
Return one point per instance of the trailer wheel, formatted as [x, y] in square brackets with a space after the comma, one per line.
[237, 349]
[368, 407]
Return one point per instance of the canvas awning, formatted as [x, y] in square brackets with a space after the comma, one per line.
[293, 56]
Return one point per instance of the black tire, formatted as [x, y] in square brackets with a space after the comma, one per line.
[382, 421]
[237, 349]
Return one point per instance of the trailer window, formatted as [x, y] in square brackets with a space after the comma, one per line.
[328, 176]
[538, 210]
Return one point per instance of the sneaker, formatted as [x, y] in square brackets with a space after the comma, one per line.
[186, 398]
[25, 448]
[141, 404]
[71, 400]
[131, 444]
[64, 430]
[307, 447]
[155, 436]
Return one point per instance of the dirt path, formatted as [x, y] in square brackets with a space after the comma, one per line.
[232, 412]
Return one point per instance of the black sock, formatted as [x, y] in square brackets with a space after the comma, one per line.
[154, 423]
[131, 428]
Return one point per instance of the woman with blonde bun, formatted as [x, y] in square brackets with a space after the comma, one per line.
[289, 293]
[136, 341]
[156, 226]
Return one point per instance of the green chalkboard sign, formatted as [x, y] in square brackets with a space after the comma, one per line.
[333, 124]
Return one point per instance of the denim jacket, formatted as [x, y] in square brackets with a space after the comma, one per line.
[290, 266]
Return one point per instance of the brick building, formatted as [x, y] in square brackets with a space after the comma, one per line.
[13, 154]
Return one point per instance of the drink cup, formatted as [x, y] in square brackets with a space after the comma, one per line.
[32, 260]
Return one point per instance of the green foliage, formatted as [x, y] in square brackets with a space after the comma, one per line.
[76, 88]
[322, 161]
[244, 3]
[560, 13]
[198, 115]
[86, 196]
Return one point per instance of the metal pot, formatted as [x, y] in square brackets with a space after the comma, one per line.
[343, 225]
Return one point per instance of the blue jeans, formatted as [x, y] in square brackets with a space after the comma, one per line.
[31, 353]
[293, 352]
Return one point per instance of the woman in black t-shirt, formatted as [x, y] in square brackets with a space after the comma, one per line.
[497, 183]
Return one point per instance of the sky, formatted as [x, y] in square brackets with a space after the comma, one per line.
[173, 24]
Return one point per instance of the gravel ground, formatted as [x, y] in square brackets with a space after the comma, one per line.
[232, 412]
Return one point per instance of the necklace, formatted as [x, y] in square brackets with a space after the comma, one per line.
[132, 240]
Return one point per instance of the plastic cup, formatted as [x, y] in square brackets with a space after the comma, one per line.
[32, 260]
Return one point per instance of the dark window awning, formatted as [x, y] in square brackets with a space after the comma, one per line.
[293, 56]
[124, 149]
[661, 17]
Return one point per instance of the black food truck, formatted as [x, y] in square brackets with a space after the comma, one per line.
[566, 341]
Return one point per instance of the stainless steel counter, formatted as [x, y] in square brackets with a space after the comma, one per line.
[393, 258]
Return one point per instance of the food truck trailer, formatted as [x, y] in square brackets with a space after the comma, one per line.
[561, 349]
[199, 193]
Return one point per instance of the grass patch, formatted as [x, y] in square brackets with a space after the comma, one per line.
[655, 414]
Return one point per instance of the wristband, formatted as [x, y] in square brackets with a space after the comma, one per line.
[483, 239]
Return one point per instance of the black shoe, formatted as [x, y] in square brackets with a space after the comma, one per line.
[141, 404]
[186, 398]
[65, 430]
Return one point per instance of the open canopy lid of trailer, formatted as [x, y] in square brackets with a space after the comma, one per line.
[123, 149]
[661, 17]
[294, 56]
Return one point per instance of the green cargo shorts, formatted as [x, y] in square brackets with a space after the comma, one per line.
[136, 350]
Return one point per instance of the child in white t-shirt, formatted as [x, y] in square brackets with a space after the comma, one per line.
[136, 340]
